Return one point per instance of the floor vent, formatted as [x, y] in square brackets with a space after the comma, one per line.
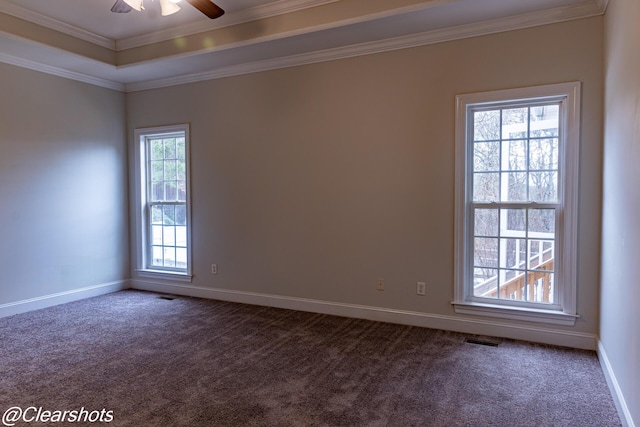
[482, 342]
[168, 298]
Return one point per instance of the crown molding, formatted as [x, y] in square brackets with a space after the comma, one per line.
[60, 72]
[551, 16]
[53, 24]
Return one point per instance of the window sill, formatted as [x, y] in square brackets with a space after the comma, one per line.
[165, 275]
[516, 313]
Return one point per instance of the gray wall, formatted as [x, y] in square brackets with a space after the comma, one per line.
[63, 185]
[315, 180]
[620, 294]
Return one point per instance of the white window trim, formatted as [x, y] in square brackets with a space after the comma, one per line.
[568, 185]
[141, 224]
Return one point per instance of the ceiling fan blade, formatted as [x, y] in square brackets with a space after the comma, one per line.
[121, 7]
[207, 7]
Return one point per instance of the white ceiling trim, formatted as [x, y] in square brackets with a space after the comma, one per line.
[232, 18]
[493, 26]
[60, 72]
[51, 23]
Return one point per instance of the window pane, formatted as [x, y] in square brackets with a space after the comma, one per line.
[486, 187]
[514, 123]
[486, 156]
[542, 221]
[540, 287]
[180, 148]
[513, 222]
[169, 215]
[485, 282]
[541, 255]
[157, 191]
[515, 186]
[543, 186]
[157, 170]
[169, 235]
[515, 157]
[181, 236]
[486, 125]
[543, 154]
[156, 214]
[169, 257]
[180, 169]
[181, 257]
[181, 191]
[171, 190]
[513, 284]
[507, 279]
[156, 235]
[170, 170]
[544, 120]
[181, 215]
[156, 252]
[513, 253]
[485, 252]
[156, 149]
[170, 148]
[486, 222]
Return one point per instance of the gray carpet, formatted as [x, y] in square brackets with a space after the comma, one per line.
[192, 362]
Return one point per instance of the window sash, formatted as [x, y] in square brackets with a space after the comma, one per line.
[501, 236]
[179, 245]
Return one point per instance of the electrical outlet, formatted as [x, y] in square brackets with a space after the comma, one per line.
[214, 268]
[421, 288]
[380, 284]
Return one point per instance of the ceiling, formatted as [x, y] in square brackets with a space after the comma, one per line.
[85, 41]
[96, 16]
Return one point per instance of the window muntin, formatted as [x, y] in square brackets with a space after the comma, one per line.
[517, 154]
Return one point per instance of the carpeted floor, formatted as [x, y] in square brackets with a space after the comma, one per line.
[148, 361]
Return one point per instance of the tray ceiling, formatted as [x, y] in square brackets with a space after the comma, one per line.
[83, 40]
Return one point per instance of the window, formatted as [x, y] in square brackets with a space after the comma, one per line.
[163, 192]
[516, 202]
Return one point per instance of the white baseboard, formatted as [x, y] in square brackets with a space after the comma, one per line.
[60, 298]
[435, 321]
[616, 392]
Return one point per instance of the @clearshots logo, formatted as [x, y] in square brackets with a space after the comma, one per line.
[33, 414]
